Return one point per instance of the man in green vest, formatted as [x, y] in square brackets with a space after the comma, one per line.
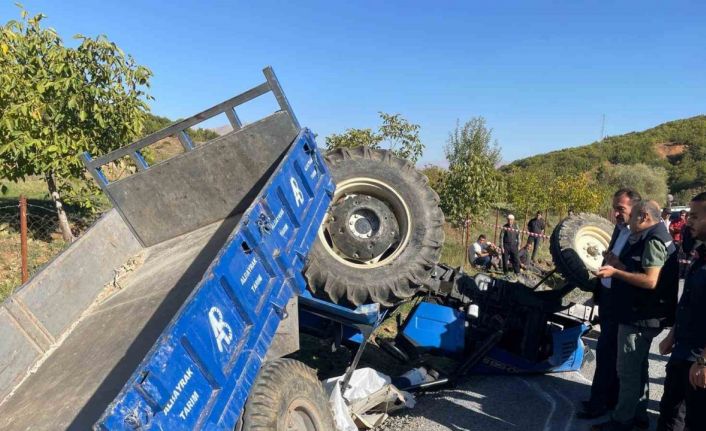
[646, 283]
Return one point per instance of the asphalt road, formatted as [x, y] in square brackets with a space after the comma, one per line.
[499, 403]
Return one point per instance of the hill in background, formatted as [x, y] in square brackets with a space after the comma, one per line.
[677, 146]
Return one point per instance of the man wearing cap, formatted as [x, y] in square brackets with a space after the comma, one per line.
[510, 240]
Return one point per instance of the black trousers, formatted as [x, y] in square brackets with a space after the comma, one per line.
[512, 254]
[695, 409]
[682, 408]
[672, 408]
[605, 385]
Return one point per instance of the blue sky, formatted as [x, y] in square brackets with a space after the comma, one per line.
[542, 73]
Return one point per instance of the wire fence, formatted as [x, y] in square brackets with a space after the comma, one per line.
[30, 237]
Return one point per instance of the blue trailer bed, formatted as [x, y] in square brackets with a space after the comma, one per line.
[225, 229]
[199, 373]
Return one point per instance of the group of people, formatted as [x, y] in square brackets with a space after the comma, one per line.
[482, 253]
[638, 298]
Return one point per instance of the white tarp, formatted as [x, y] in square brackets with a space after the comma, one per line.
[364, 383]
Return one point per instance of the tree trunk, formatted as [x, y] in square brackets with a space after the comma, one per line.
[63, 220]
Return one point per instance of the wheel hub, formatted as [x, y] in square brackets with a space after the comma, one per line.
[363, 227]
[590, 245]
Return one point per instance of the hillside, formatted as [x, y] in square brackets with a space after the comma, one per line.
[678, 146]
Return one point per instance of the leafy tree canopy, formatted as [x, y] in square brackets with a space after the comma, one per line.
[57, 102]
[650, 181]
[472, 184]
[399, 135]
[436, 176]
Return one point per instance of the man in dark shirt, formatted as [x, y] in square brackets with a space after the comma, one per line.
[510, 240]
[685, 384]
[535, 226]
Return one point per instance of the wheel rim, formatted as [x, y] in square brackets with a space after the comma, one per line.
[301, 416]
[590, 243]
[367, 188]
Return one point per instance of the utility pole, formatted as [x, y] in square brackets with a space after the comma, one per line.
[603, 128]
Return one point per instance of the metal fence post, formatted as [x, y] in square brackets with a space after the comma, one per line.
[23, 237]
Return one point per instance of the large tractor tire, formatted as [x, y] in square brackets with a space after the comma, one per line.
[577, 246]
[383, 233]
[287, 396]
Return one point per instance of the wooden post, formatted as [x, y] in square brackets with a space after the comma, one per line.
[465, 249]
[23, 238]
[495, 232]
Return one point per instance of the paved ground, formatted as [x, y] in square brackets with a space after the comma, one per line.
[498, 403]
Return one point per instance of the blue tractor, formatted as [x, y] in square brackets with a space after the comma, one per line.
[182, 306]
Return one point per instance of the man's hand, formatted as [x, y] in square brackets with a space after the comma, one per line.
[606, 271]
[697, 376]
[667, 345]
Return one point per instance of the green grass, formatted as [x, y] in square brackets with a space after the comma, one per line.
[33, 188]
[39, 252]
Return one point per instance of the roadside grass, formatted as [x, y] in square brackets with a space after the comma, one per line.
[33, 188]
[40, 251]
[43, 242]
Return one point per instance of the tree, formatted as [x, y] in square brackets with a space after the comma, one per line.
[576, 192]
[401, 137]
[57, 102]
[650, 181]
[527, 190]
[472, 184]
[352, 138]
[436, 176]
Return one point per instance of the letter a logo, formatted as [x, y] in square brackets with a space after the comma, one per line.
[221, 329]
[298, 196]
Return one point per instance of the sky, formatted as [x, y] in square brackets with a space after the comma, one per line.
[542, 73]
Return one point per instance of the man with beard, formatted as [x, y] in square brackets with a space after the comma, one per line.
[604, 388]
[685, 383]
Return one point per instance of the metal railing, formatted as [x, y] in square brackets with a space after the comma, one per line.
[94, 165]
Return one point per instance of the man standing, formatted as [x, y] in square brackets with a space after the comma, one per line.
[510, 240]
[536, 227]
[645, 279]
[666, 213]
[478, 253]
[685, 384]
[604, 388]
[676, 227]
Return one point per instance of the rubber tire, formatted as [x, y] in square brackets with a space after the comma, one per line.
[402, 277]
[279, 383]
[562, 248]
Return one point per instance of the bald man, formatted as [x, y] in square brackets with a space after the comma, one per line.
[646, 281]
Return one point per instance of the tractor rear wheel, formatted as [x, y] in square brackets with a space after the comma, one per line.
[577, 246]
[383, 233]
